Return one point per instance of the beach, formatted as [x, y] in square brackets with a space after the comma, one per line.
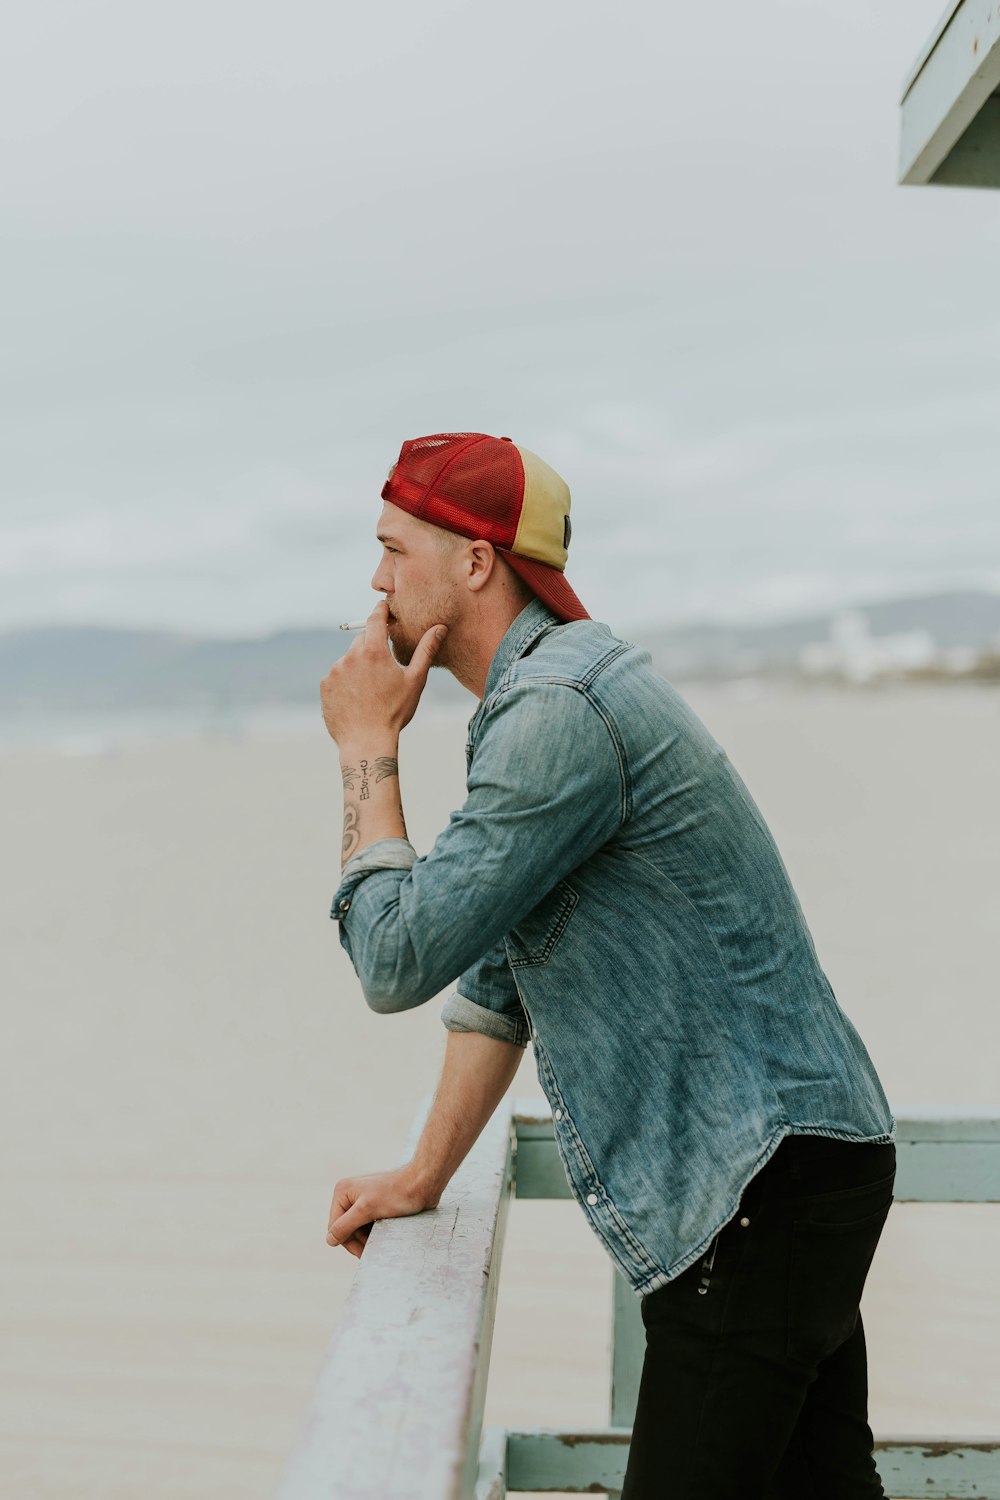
[192, 1066]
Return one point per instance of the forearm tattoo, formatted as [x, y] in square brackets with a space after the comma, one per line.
[386, 765]
[352, 831]
[360, 777]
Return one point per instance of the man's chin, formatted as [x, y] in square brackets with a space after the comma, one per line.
[402, 649]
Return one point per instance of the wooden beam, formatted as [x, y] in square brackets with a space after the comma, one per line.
[975, 160]
[937, 1161]
[491, 1483]
[544, 1459]
[948, 1160]
[398, 1408]
[958, 1471]
[956, 76]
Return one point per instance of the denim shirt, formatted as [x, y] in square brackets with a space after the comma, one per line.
[611, 892]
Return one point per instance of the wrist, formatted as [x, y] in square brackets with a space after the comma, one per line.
[368, 746]
[426, 1183]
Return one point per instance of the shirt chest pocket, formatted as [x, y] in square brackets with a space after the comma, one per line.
[534, 939]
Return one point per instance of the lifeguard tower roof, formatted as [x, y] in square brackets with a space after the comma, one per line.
[951, 101]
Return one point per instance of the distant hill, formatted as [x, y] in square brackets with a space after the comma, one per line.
[99, 668]
[95, 667]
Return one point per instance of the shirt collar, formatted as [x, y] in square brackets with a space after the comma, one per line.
[529, 624]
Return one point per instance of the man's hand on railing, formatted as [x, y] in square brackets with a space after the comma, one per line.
[477, 1073]
[359, 1201]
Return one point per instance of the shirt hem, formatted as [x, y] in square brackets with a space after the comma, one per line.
[662, 1277]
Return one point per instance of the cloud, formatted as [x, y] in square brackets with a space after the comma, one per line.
[246, 270]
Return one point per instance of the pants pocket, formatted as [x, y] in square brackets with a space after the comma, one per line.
[833, 1243]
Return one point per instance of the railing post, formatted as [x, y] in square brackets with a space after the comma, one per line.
[492, 1481]
[628, 1343]
[628, 1339]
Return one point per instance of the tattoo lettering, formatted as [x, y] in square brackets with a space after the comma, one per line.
[385, 765]
[365, 794]
[352, 831]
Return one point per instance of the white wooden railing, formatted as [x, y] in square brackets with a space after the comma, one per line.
[398, 1411]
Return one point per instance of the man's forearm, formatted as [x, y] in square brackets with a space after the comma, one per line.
[477, 1072]
[476, 1075]
[373, 808]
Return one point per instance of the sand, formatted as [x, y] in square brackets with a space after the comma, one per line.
[190, 1066]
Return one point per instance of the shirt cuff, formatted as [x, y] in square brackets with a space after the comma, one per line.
[384, 854]
[460, 1014]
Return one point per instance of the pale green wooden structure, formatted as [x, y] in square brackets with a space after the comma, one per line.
[950, 133]
[398, 1411]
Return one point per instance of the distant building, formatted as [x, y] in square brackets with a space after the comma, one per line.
[959, 659]
[852, 652]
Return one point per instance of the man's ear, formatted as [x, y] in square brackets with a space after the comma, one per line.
[480, 561]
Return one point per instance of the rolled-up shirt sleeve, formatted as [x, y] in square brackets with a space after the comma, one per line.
[546, 788]
[487, 999]
[384, 854]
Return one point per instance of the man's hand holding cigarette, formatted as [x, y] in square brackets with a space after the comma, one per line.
[367, 694]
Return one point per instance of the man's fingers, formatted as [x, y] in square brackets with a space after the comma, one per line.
[358, 1240]
[346, 1224]
[359, 1203]
[427, 648]
[376, 632]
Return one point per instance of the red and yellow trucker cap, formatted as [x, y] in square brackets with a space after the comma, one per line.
[492, 490]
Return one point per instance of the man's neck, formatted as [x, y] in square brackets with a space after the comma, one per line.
[470, 655]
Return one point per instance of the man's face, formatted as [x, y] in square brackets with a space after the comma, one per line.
[420, 576]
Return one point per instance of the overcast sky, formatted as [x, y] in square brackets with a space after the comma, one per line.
[250, 248]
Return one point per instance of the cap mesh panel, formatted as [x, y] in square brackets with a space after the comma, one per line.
[471, 483]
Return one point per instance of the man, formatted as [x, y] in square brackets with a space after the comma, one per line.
[610, 892]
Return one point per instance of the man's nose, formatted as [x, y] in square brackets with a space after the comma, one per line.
[380, 583]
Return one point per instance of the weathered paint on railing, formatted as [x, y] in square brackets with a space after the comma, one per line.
[398, 1412]
[577, 1462]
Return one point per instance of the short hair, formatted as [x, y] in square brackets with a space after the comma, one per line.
[450, 541]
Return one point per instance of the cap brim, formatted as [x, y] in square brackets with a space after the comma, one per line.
[549, 584]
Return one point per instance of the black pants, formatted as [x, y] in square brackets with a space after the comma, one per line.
[755, 1380]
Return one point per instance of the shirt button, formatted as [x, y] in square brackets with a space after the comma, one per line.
[345, 905]
[534, 1036]
[591, 1199]
[557, 1115]
[744, 1223]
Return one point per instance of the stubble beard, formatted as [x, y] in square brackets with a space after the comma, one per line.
[403, 648]
[403, 643]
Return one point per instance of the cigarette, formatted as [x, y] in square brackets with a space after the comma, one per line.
[354, 625]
